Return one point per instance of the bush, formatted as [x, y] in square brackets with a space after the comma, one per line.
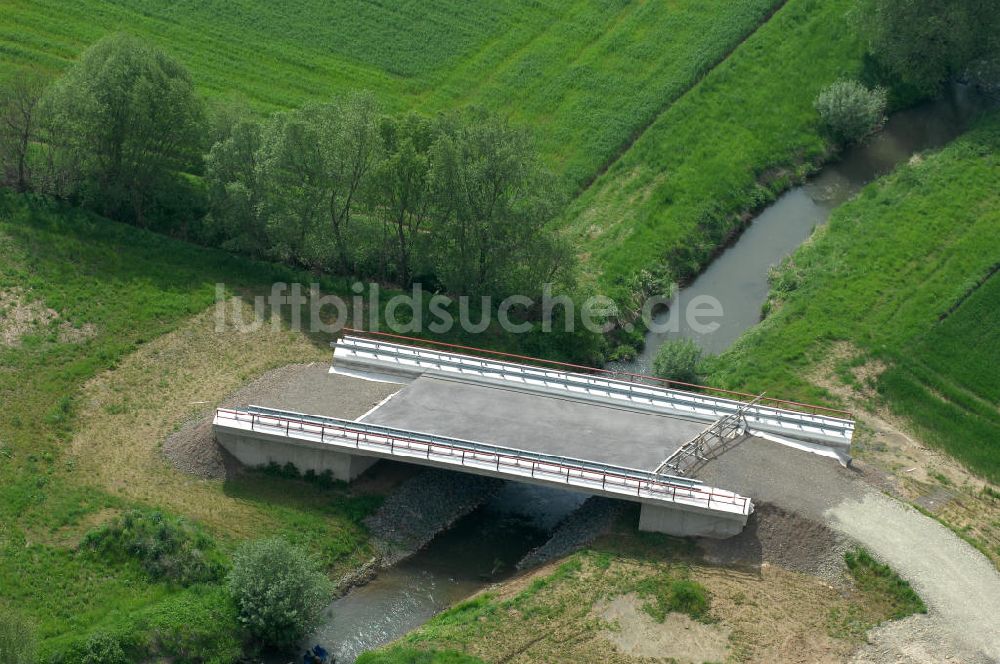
[850, 112]
[99, 648]
[17, 640]
[678, 360]
[168, 549]
[104, 649]
[278, 590]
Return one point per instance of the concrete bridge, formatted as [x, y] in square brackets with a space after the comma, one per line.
[591, 433]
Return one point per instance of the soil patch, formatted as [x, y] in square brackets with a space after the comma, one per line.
[779, 537]
[678, 637]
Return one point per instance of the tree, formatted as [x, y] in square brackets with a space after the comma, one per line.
[278, 590]
[678, 359]
[494, 202]
[348, 133]
[850, 112]
[400, 194]
[17, 640]
[923, 43]
[235, 193]
[20, 98]
[131, 115]
[294, 187]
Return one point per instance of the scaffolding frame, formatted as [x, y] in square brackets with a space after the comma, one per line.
[710, 443]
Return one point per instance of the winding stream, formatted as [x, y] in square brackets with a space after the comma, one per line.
[485, 546]
[737, 278]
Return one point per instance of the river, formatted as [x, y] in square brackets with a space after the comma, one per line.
[485, 546]
[480, 549]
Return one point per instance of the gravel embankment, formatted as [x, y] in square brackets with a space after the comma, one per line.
[585, 524]
[423, 506]
[306, 388]
[783, 538]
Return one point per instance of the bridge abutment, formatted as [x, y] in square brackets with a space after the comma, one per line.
[682, 523]
[261, 449]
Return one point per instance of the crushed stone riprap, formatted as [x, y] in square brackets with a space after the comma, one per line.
[593, 518]
[423, 506]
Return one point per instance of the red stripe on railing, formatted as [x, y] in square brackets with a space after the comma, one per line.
[652, 486]
[630, 377]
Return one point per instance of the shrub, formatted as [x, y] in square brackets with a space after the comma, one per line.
[17, 640]
[278, 590]
[678, 360]
[104, 649]
[98, 648]
[168, 549]
[850, 112]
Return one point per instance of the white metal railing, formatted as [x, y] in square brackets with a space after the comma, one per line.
[413, 360]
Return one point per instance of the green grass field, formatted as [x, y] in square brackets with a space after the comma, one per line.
[724, 148]
[587, 75]
[671, 121]
[131, 286]
[883, 278]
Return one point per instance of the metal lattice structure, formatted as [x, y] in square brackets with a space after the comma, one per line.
[710, 443]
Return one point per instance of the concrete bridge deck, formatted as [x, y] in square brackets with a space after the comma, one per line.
[346, 448]
[591, 433]
[385, 360]
[503, 415]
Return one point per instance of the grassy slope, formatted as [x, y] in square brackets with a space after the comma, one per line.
[78, 442]
[880, 276]
[676, 193]
[133, 286]
[588, 75]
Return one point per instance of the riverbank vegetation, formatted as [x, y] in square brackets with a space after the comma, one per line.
[335, 187]
[633, 595]
[905, 276]
[81, 294]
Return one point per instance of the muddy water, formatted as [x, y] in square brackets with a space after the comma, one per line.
[481, 548]
[737, 278]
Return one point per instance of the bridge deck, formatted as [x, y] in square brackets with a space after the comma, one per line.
[362, 438]
[550, 424]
